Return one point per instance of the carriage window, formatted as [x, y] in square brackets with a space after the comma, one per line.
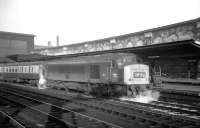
[94, 72]
[9, 68]
[17, 69]
[26, 69]
[31, 69]
[13, 69]
[22, 69]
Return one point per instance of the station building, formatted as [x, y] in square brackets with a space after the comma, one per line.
[173, 51]
[15, 43]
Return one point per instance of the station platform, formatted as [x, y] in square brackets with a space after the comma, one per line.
[190, 89]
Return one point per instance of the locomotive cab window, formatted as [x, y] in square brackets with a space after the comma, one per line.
[94, 72]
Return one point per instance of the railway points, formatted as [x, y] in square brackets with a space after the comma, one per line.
[139, 112]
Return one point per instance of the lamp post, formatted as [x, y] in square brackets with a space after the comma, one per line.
[112, 42]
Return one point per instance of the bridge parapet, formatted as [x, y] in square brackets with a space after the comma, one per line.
[189, 30]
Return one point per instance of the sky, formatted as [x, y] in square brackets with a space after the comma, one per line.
[77, 21]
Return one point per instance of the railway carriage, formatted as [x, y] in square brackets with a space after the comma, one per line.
[106, 74]
[20, 72]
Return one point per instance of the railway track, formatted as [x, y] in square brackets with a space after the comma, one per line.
[180, 97]
[171, 108]
[134, 114]
[57, 117]
[8, 121]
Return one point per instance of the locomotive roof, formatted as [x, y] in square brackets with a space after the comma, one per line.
[104, 58]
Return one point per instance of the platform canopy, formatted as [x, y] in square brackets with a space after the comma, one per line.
[183, 49]
[170, 34]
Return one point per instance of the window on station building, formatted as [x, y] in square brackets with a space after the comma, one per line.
[94, 72]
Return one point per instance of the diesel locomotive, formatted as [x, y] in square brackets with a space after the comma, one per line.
[106, 74]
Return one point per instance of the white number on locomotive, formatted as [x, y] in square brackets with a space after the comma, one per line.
[136, 74]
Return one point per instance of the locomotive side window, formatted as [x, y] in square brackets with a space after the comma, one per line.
[94, 72]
